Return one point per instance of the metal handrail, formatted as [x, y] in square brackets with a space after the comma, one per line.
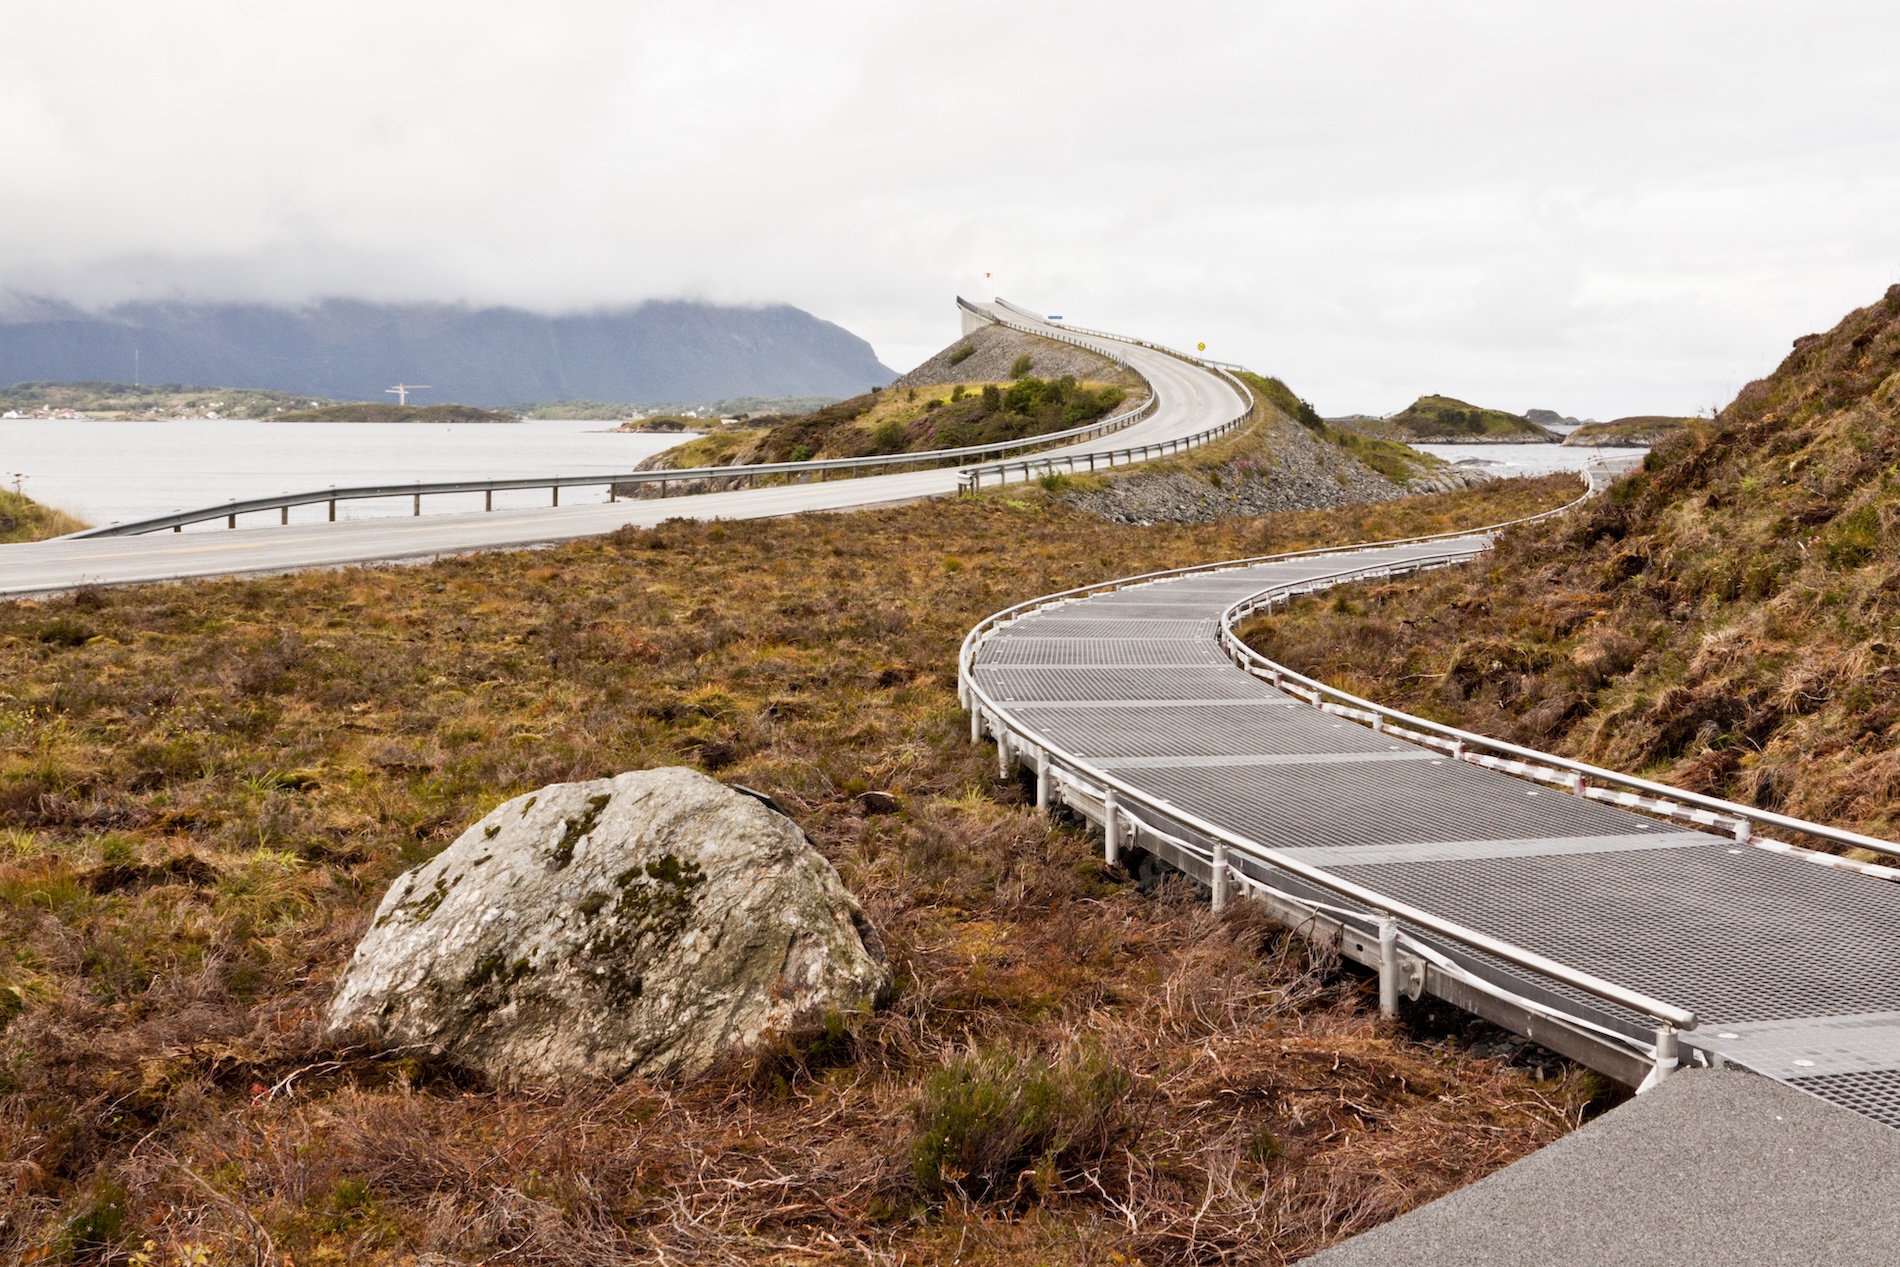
[979, 701]
[1746, 817]
[970, 480]
[229, 511]
[283, 501]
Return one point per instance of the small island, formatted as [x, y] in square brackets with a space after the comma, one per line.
[1446, 420]
[377, 411]
[1632, 433]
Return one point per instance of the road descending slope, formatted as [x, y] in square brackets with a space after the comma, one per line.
[1189, 399]
[1624, 941]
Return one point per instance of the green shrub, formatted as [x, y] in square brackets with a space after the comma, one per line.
[992, 397]
[1021, 366]
[963, 354]
[1009, 1126]
[1054, 481]
[889, 436]
[957, 393]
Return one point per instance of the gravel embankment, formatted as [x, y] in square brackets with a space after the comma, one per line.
[1285, 469]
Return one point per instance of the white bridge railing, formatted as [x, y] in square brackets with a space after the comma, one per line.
[1373, 921]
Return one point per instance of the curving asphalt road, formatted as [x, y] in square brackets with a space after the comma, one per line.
[1190, 399]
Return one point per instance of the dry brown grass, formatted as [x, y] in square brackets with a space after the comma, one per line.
[1725, 620]
[23, 519]
[205, 788]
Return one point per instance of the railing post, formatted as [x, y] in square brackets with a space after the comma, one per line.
[1388, 966]
[1220, 877]
[613, 492]
[1042, 779]
[418, 503]
[333, 510]
[556, 490]
[230, 521]
[1744, 831]
[1111, 828]
[1666, 1058]
[283, 516]
[488, 499]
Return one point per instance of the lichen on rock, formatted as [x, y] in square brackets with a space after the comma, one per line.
[647, 924]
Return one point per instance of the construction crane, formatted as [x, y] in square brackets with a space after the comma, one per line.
[401, 391]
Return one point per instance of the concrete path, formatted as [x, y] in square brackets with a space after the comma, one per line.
[1709, 1168]
[1190, 399]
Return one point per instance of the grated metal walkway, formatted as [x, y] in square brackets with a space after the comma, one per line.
[1791, 969]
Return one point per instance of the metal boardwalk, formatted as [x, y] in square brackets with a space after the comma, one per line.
[1627, 942]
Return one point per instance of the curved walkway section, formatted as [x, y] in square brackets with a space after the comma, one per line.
[1624, 942]
[1190, 399]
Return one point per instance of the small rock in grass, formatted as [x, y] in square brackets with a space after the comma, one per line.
[646, 925]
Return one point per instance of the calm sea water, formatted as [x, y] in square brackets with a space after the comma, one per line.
[106, 471]
[1512, 460]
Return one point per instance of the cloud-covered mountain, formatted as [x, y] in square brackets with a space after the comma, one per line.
[349, 350]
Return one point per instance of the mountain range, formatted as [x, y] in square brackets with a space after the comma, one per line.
[342, 349]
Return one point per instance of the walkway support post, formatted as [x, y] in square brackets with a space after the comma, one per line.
[1666, 1055]
[1042, 779]
[1111, 828]
[976, 725]
[1221, 882]
[1388, 967]
[1002, 753]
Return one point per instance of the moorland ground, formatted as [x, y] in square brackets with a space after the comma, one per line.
[205, 789]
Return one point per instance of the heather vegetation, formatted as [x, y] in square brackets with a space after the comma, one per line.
[1726, 619]
[205, 788]
[23, 519]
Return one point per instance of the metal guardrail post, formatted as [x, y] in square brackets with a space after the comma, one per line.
[1111, 828]
[333, 510]
[1221, 881]
[1388, 966]
[488, 499]
[1042, 779]
[1666, 1058]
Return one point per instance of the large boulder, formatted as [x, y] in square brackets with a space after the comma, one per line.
[645, 924]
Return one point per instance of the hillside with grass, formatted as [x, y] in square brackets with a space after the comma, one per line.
[23, 519]
[1726, 619]
[1284, 457]
[904, 420]
[1445, 420]
[205, 789]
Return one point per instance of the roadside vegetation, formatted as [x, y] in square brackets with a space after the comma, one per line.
[23, 519]
[205, 788]
[1726, 619]
[1397, 461]
[906, 420]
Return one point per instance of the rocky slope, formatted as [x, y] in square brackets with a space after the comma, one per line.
[990, 354]
[1286, 458]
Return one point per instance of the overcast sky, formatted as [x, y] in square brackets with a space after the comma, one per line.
[1604, 209]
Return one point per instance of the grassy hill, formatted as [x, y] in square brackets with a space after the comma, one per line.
[1725, 619]
[1445, 420]
[1637, 432]
[205, 789]
[23, 519]
[905, 420]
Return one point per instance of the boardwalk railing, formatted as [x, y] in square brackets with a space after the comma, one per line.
[1368, 926]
